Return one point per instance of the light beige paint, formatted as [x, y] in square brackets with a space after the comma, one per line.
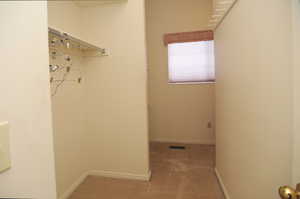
[66, 17]
[254, 98]
[178, 113]
[68, 105]
[116, 88]
[296, 73]
[93, 3]
[68, 112]
[111, 103]
[25, 100]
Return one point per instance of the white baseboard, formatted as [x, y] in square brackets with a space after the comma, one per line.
[73, 187]
[203, 142]
[109, 174]
[222, 184]
[120, 175]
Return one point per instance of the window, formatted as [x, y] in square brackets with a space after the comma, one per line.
[191, 62]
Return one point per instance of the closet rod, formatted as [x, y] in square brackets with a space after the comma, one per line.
[76, 40]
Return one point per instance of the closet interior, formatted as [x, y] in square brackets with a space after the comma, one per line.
[97, 67]
[98, 77]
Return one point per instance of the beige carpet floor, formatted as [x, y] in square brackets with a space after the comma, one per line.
[176, 174]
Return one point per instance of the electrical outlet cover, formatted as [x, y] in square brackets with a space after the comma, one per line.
[4, 147]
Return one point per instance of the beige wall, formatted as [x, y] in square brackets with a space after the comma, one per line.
[68, 105]
[116, 88]
[178, 113]
[70, 137]
[253, 98]
[65, 16]
[25, 100]
[296, 72]
[111, 130]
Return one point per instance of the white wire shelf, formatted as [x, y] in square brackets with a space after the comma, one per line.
[82, 45]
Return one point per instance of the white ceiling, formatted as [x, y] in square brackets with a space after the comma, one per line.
[92, 3]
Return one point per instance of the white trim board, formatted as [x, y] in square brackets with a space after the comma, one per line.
[73, 187]
[93, 3]
[108, 174]
[222, 184]
[120, 175]
[203, 142]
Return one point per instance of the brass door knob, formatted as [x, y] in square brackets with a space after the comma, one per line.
[287, 192]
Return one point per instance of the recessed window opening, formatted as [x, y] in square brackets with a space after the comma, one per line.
[191, 62]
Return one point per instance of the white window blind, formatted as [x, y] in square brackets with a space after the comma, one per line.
[191, 62]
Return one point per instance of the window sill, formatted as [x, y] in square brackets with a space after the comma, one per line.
[190, 83]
